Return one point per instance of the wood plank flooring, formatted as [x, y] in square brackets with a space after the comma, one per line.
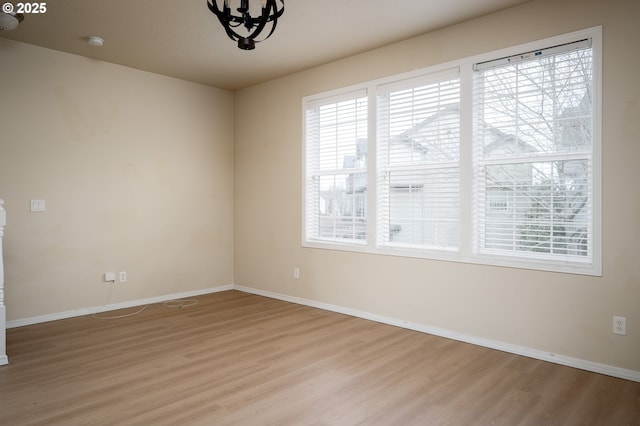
[241, 359]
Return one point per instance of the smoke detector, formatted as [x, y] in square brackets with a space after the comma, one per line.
[9, 21]
[95, 41]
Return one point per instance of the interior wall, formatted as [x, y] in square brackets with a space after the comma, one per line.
[557, 313]
[136, 170]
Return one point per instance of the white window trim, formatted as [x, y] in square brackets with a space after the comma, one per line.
[465, 252]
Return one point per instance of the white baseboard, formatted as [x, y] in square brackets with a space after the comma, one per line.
[595, 367]
[488, 343]
[4, 360]
[112, 307]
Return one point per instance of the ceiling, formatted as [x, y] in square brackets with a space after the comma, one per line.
[183, 39]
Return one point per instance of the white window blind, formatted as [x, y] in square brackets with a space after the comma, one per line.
[418, 153]
[336, 168]
[533, 155]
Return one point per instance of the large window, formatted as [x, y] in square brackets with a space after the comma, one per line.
[492, 159]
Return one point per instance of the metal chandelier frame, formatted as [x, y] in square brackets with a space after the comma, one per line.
[253, 25]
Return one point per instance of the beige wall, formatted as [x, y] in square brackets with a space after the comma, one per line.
[137, 173]
[560, 313]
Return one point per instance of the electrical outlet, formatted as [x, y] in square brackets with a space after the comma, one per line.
[123, 277]
[296, 272]
[109, 277]
[620, 326]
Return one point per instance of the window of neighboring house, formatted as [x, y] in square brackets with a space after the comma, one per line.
[493, 159]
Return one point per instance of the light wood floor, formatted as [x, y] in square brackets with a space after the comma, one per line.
[237, 358]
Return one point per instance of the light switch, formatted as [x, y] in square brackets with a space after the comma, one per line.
[37, 206]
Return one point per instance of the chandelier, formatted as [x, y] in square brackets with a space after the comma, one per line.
[253, 25]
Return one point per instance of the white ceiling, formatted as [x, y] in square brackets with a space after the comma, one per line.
[183, 39]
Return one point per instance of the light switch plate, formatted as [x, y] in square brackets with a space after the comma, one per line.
[37, 206]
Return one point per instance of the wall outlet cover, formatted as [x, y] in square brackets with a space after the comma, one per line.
[620, 326]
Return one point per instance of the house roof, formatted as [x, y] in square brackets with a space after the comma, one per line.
[498, 138]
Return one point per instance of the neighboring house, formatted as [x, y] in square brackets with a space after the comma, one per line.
[423, 203]
[504, 185]
[343, 203]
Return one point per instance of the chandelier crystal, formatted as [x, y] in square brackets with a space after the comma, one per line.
[253, 26]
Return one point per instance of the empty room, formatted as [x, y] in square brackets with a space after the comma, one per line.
[357, 212]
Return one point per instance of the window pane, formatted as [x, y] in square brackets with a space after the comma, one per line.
[536, 106]
[342, 134]
[418, 160]
[532, 157]
[342, 207]
[336, 180]
[422, 208]
[538, 207]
